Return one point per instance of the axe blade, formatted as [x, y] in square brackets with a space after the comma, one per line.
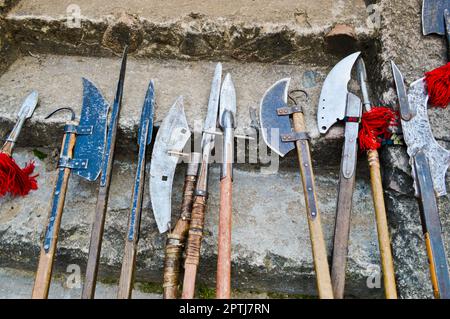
[273, 125]
[433, 21]
[333, 98]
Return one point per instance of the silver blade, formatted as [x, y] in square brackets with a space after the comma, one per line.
[333, 98]
[405, 110]
[227, 100]
[172, 137]
[29, 105]
[210, 124]
[433, 16]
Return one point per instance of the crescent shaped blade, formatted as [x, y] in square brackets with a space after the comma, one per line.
[172, 137]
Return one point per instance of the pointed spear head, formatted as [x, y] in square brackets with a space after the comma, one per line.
[29, 105]
[227, 103]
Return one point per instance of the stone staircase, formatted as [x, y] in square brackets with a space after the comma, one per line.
[49, 46]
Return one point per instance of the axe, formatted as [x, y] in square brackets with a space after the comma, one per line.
[81, 153]
[282, 136]
[429, 162]
[436, 19]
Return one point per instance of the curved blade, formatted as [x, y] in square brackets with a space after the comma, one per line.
[333, 98]
[91, 147]
[172, 137]
[433, 16]
[272, 125]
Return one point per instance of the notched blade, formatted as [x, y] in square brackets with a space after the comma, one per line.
[333, 98]
[433, 21]
[91, 147]
[172, 137]
[272, 125]
[29, 105]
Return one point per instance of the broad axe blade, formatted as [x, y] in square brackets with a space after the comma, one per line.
[29, 105]
[418, 135]
[172, 137]
[433, 21]
[94, 114]
[333, 98]
[272, 125]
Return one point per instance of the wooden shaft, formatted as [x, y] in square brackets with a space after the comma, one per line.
[315, 228]
[127, 271]
[95, 244]
[46, 258]
[382, 226]
[194, 244]
[433, 273]
[341, 234]
[223, 289]
[176, 241]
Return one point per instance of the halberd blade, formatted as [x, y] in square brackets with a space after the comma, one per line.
[272, 125]
[171, 139]
[433, 16]
[29, 105]
[90, 147]
[333, 98]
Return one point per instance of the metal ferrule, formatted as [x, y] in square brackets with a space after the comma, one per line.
[228, 145]
[12, 138]
[350, 151]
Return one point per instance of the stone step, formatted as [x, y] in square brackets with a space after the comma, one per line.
[58, 81]
[287, 31]
[271, 246]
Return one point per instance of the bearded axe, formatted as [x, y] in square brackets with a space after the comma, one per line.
[170, 141]
[282, 136]
[103, 194]
[13, 179]
[429, 162]
[134, 220]
[195, 234]
[81, 153]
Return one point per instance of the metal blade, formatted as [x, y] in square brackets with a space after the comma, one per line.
[147, 116]
[94, 114]
[272, 125]
[433, 16]
[227, 100]
[29, 105]
[333, 98]
[172, 137]
[210, 124]
[406, 111]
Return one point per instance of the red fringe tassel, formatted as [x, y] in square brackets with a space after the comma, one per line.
[13, 179]
[438, 86]
[375, 127]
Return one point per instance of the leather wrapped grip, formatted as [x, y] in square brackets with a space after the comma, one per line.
[176, 241]
[196, 231]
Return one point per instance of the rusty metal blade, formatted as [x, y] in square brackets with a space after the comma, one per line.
[171, 138]
[433, 16]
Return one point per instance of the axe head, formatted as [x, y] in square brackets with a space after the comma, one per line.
[433, 16]
[333, 98]
[274, 126]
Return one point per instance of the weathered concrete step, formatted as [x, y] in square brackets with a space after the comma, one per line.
[271, 246]
[58, 81]
[287, 31]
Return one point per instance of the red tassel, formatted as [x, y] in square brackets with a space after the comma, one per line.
[438, 86]
[13, 179]
[375, 127]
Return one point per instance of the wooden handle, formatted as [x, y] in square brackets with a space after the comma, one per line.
[315, 227]
[433, 274]
[194, 244]
[224, 249]
[127, 272]
[176, 241]
[382, 226]
[341, 234]
[46, 258]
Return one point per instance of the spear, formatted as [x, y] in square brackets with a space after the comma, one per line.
[105, 182]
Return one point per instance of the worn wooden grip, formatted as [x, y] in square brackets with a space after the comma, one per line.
[127, 271]
[193, 246]
[341, 234]
[46, 259]
[176, 241]
[315, 227]
[382, 226]
[433, 274]
[223, 287]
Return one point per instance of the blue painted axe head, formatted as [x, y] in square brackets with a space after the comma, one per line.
[434, 16]
[91, 147]
[274, 126]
